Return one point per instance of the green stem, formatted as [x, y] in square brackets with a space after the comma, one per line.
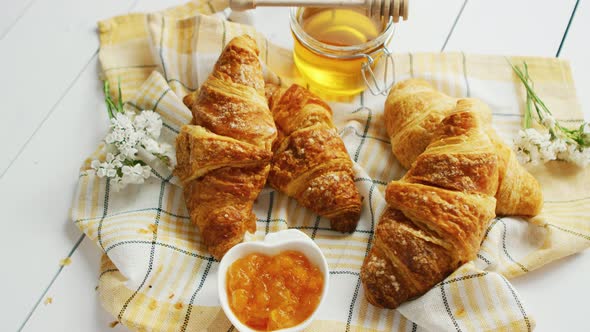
[120, 106]
[576, 136]
[529, 89]
[528, 116]
[113, 108]
[163, 158]
[107, 99]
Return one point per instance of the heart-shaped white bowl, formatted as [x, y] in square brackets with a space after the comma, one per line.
[273, 244]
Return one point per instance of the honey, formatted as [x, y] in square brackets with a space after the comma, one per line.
[270, 293]
[332, 44]
[340, 27]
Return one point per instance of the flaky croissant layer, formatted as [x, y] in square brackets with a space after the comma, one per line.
[436, 214]
[413, 112]
[310, 161]
[224, 155]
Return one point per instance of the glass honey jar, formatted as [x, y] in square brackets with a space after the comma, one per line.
[337, 49]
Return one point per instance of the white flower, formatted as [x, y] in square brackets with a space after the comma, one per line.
[557, 146]
[122, 121]
[118, 161]
[150, 122]
[101, 172]
[130, 134]
[535, 147]
[147, 172]
[117, 184]
[128, 151]
[112, 137]
[151, 146]
[531, 146]
[549, 121]
[123, 135]
[169, 152]
[134, 137]
[522, 157]
[132, 174]
[575, 154]
[111, 173]
[549, 149]
[95, 164]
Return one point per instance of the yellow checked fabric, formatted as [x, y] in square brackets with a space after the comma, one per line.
[157, 275]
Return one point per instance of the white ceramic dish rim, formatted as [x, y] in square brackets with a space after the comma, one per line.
[273, 244]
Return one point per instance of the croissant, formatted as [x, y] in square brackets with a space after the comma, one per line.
[310, 161]
[224, 155]
[436, 214]
[413, 111]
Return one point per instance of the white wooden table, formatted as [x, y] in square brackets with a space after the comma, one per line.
[53, 116]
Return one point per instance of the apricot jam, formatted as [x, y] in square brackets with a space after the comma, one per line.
[273, 292]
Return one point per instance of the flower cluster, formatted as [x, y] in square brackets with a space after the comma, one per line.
[132, 139]
[555, 142]
[533, 146]
[119, 173]
[133, 133]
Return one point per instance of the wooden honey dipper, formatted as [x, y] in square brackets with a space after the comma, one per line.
[373, 8]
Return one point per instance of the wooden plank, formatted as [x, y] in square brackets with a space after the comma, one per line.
[11, 12]
[274, 23]
[74, 302]
[524, 27]
[428, 26]
[575, 48]
[556, 295]
[40, 59]
[37, 192]
[148, 6]
[38, 188]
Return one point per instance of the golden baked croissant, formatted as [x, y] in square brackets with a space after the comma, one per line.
[310, 161]
[413, 111]
[224, 157]
[436, 214]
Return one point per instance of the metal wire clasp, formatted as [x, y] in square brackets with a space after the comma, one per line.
[371, 79]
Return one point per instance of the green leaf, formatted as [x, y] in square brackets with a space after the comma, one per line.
[163, 158]
[130, 162]
[120, 97]
[113, 108]
[107, 99]
[527, 113]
